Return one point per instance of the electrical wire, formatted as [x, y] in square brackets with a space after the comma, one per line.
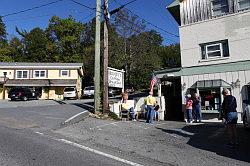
[29, 9]
[170, 33]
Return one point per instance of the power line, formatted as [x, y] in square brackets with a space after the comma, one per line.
[83, 5]
[170, 33]
[29, 9]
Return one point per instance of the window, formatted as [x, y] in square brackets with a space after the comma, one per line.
[210, 98]
[214, 50]
[39, 73]
[244, 4]
[219, 7]
[22, 73]
[64, 72]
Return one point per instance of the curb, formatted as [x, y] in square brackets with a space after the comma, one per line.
[75, 119]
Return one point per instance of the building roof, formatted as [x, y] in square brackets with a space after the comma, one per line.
[7, 65]
[206, 69]
[41, 82]
[174, 4]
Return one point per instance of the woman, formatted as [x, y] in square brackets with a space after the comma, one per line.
[197, 108]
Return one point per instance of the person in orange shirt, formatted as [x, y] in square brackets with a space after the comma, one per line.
[189, 107]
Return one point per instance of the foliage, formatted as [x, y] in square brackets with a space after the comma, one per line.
[131, 47]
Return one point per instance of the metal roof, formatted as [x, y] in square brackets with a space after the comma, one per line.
[174, 3]
[7, 65]
[206, 69]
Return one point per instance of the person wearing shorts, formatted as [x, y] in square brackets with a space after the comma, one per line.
[229, 106]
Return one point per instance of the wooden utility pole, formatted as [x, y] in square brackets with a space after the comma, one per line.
[105, 59]
[97, 57]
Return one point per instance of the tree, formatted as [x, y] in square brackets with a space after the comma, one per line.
[34, 46]
[3, 32]
[126, 25]
[66, 35]
[4, 48]
[170, 56]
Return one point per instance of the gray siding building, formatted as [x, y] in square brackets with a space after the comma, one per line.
[215, 52]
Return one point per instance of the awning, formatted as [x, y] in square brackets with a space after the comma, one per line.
[41, 82]
[211, 83]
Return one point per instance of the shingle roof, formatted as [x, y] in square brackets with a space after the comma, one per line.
[41, 82]
[39, 65]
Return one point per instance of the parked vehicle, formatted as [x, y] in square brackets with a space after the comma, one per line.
[23, 93]
[129, 89]
[246, 117]
[114, 91]
[89, 91]
[70, 93]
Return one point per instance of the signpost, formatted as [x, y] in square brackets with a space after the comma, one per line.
[116, 78]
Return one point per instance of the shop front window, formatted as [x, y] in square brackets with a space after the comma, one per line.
[210, 99]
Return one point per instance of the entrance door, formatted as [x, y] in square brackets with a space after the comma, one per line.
[171, 90]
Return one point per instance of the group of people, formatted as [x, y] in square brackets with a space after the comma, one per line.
[151, 107]
[193, 108]
[228, 110]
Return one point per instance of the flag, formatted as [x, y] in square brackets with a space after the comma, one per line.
[153, 81]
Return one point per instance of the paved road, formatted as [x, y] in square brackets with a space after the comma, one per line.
[164, 143]
[28, 138]
[26, 148]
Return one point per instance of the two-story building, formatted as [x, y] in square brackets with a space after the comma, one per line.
[215, 53]
[49, 79]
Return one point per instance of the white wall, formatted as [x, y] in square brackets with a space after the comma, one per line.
[234, 27]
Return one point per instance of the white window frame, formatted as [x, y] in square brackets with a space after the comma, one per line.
[22, 74]
[212, 8]
[34, 74]
[244, 7]
[208, 52]
[64, 75]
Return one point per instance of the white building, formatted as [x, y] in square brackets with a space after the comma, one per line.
[215, 52]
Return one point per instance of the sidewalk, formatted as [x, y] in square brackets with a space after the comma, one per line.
[164, 143]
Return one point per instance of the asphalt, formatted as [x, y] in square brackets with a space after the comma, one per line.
[164, 143]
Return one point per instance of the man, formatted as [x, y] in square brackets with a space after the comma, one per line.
[150, 102]
[229, 106]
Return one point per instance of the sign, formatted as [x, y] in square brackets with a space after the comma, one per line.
[116, 78]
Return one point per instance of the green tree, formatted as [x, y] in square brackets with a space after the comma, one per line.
[66, 34]
[4, 47]
[35, 46]
[170, 56]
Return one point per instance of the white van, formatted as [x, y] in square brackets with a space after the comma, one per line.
[70, 93]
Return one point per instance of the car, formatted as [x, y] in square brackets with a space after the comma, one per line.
[23, 93]
[89, 91]
[70, 93]
[246, 117]
[129, 89]
[114, 91]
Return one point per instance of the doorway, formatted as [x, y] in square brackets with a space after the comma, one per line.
[171, 90]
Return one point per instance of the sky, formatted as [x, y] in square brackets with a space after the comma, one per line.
[153, 11]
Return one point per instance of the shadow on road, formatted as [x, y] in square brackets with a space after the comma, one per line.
[213, 137]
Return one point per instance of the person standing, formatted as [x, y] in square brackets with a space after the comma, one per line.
[229, 106]
[189, 107]
[150, 102]
[197, 107]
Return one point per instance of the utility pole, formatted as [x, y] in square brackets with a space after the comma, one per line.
[105, 59]
[97, 56]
